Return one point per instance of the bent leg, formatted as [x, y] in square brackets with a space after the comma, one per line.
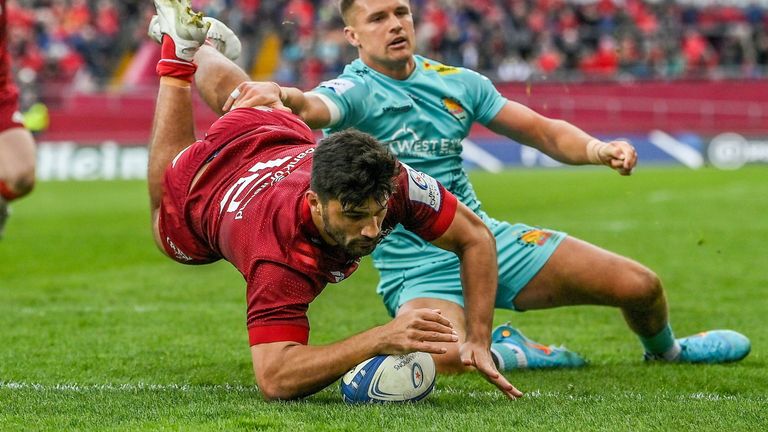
[173, 125]
[173, 130]
[17, 162]
[579, 273]
[216, 77]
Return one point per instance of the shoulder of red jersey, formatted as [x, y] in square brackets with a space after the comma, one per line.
[426, 207]
[423, 188]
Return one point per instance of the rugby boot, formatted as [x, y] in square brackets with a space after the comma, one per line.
[515, 351]
[219, 36]
[716, 346]
[183, 25]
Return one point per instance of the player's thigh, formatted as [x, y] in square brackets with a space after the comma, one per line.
[17, 157]
[438, 280]
[450, 361]
[580, 273]
[522, 252]
[450, 310]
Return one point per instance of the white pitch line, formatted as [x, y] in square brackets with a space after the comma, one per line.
[538, 394]
[86, 388]
[239, 388]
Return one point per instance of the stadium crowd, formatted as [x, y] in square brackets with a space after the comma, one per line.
[83, 44]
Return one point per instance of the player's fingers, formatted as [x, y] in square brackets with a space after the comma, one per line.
[623, 170]
[249, 99]
[233, 97]
[505, 386]
[435, 315]
[430, 348]
[485, 366]
[631, 160]
[434, 336]
[626, 153]
[618, 165]
[501, 382]
[488, 369]
[433, 326]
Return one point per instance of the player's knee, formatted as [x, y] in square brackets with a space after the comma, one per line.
[641, 287]
[25, 182]
[21, 180]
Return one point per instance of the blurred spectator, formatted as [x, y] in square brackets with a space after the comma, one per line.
[81, 44]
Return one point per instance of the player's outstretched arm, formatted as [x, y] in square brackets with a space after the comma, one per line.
[309, 107]
[474, 244]
[289, 370]
[561, 140]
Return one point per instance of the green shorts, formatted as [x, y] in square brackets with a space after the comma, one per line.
[522, 251]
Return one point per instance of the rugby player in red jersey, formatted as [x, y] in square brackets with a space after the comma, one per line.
[292, 216]
[17, 146]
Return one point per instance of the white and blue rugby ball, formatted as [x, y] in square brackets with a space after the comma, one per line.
[390, 378]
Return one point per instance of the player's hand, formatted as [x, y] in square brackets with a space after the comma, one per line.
[479, 356]
[620, 155]
[417, 330]
[253, 93]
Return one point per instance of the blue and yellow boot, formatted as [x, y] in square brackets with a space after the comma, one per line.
[716, 346]
[513, 350]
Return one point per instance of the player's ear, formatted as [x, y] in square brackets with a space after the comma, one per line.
[314, 202]
[351, 36]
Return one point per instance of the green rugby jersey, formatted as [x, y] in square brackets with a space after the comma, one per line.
[423, 120]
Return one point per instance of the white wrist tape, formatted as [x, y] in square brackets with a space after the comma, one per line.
[593, 151]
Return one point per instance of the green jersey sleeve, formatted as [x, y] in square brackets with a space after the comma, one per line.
[486, 100]
[345, 97]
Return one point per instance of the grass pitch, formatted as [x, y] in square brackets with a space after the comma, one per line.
[99, 331]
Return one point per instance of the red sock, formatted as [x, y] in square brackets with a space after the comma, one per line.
[6, 192]
[172, 66]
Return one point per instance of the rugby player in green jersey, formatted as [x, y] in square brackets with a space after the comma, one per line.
[422, 110]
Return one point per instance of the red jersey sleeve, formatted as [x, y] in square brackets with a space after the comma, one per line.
[427, 208]
[278, 299]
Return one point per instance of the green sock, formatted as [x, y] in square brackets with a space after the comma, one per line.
[662, 345]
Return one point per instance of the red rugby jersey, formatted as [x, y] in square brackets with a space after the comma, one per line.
[249, 208]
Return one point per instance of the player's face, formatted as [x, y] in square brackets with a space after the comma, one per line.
[383, 31]
[357, 230]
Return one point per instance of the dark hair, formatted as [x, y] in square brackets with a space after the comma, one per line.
[352, 166]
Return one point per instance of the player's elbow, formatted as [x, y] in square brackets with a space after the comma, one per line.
[483, 236]
[278, 383]
[275, 389]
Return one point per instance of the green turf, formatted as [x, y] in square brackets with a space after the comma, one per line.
[99, 331]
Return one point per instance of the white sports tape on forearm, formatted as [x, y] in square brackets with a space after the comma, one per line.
[593, 151]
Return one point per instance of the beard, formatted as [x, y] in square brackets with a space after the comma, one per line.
[357, 247]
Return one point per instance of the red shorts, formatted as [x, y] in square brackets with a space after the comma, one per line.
[10, 117]
[179, 240]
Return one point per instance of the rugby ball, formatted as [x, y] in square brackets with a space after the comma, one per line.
[390, 378]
